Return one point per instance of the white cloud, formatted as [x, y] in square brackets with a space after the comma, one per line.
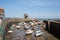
[41, 3]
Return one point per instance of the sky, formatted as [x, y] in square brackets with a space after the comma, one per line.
[34, 8]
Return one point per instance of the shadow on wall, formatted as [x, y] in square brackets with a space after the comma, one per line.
[54, 28]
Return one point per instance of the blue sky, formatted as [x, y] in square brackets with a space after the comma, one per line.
[35, 8]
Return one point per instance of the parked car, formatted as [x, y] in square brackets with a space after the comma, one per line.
[38, 32]
[40, 22]
[32, 24]
[26, 27]
[19, 24]
[11, 28]
[17, 27]
[10, 31]
[29, 31]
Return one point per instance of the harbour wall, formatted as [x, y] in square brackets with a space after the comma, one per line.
[53, 27]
